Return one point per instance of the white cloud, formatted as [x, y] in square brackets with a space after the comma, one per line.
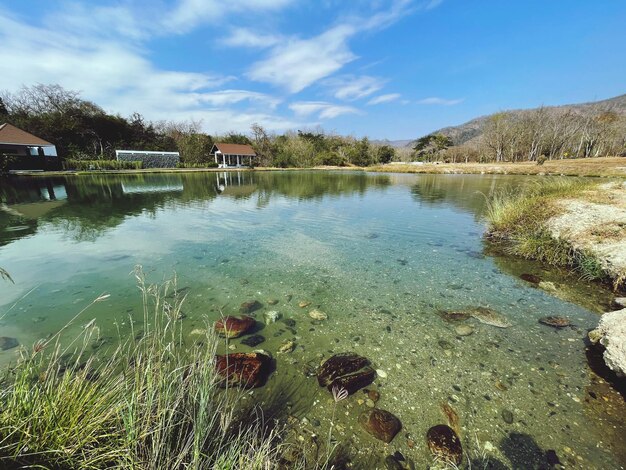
[190, 13]
[246, 38]
[440, 101]
[352, 88]
[122, 80]
[300, 63]
[384, 98]
[227, 97]
[322, 109]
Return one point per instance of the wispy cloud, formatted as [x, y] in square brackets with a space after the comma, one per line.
[351, 88]
[228, 97]
[241, 37]
[388, 98]
[322, 109]
[299, 63]
[120, 78]
[440, 101]
[188, 14]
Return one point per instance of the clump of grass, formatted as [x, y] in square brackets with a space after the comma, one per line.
[152, 403]
[518, 220]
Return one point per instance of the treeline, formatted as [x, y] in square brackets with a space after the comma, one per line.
[536, 136]
[81, 130]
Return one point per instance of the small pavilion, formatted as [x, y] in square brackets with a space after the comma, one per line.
[232, 155]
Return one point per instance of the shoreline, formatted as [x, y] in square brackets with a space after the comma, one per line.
[577, 225]
[606, 167]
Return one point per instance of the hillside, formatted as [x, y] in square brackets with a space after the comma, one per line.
[473, 129]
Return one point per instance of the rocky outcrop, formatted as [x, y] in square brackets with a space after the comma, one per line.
[347, 370]
[247, 370]
[381, 424]
[611, 334]
[233, 327]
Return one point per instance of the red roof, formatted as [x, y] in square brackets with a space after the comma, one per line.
[12, 135]
[234, 149]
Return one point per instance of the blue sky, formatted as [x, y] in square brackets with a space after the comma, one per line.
[394, 69]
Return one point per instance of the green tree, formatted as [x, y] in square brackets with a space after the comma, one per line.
[427, 147]
[385, 154]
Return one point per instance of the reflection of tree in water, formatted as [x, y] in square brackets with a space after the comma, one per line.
[98, 203]
[468, 192]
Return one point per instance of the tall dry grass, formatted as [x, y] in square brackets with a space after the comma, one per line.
[518, 221]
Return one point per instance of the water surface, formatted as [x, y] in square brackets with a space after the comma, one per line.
[380, 254]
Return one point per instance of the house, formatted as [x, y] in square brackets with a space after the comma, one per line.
[14, 141]
[26, 151]
[232, 155]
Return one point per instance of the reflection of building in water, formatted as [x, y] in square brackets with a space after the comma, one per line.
[152, 187]
[35, 199]
[235, 183]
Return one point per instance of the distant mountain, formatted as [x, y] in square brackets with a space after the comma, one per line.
[394, 143]
[473, 129]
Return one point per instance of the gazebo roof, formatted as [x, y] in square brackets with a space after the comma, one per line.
[12, 135]
[234, 149]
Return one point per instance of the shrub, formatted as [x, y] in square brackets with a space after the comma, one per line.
[541, 159]
[83, 165]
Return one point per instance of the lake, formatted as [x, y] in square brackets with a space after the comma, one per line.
[381, 254]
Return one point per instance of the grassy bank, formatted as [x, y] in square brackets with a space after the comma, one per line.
[153, 402]
[605, 167]
[520, 223]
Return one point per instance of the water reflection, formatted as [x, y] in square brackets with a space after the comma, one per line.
[85, 207]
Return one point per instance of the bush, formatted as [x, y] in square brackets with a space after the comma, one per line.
[82, 165]
[541, 159]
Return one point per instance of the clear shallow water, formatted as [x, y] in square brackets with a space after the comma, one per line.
[380, 254]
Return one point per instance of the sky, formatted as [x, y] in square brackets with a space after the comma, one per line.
[385, 69]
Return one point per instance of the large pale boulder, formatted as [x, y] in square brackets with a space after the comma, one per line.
[611, 333]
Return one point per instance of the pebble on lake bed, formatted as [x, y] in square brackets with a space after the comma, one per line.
[316, 314]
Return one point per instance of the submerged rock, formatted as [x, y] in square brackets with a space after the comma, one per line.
[7, 343]
[271, 317]
[532, 278]
[246, 370]
[233, 327]
[316, 314]
[445, 444]
[464, 330]
[381, 424]
[253, 340]
[346, 370]
[556, 322]
[272, 301]
[490, 317]
[304, 304]
[287, 347]
[250, 306]
[452, 316]
[611, 334]
[507, 416]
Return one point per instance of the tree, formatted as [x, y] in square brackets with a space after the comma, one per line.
[262, 145]
[385, 153]
[427, 147]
